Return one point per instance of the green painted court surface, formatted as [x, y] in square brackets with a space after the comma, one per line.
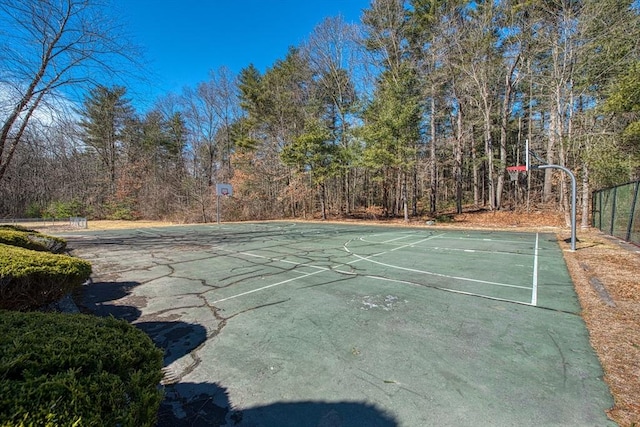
[292, 324]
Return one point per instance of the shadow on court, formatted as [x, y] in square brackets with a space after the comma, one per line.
[97, 297]
[206, 404]
[175, 338]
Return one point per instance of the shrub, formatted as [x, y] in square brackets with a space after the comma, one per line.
[33, 211]
[71, 369]
[444, 218]
[30, 279]
[30, 239]
[59, 209]
[121, 210]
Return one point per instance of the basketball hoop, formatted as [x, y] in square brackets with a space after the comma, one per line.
[513, 171]
[225, 190]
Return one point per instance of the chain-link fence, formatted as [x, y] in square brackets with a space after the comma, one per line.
[74, 222]
[616, 211]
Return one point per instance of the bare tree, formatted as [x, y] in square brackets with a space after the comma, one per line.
[50, 47]
[332, 53]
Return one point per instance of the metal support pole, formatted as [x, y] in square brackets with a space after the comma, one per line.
[218, 209]
[636, 192]
[613, 211]
[573, 199]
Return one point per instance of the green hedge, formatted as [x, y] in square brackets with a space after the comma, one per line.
[30, 279]
[76, 370]
[30, 239]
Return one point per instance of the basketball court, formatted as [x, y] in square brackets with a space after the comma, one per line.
[298, 324]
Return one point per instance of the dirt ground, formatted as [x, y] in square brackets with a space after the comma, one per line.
[606, 274]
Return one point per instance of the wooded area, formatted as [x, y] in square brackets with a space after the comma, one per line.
[414, 111]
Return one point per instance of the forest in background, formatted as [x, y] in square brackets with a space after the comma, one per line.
[414, 111]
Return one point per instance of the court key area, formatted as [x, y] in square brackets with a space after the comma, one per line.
[308, 324]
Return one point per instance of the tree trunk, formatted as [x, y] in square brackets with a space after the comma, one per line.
[433, 171]
[585, 197]
[457, 169]
[488, 149]
[506, 111]
[414, 201]
[405, 203]
[323, 196]
[476, 172]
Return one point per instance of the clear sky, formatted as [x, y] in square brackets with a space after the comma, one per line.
[184, 39]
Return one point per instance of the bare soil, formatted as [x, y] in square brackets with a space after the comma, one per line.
[606, 275]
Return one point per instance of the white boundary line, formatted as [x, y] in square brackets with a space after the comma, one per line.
[430, 273]
[146, 231]
[390, 240]
[443, 236]
[267, 287]
[414, 270]
[534, 287]
[320, 270]
[455, 291]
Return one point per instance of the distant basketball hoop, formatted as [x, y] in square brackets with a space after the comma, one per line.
[515, 170]
[222, 190]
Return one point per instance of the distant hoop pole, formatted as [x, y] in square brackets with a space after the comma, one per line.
[217, 209]
[573, 199]
[222, 190]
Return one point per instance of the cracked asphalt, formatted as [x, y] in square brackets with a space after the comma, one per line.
[291, 324]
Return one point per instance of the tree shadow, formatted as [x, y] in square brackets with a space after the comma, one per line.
[93, 297]
[176, 338]
[207, 404]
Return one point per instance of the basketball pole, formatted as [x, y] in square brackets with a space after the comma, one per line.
[574, 191]
[218, 208]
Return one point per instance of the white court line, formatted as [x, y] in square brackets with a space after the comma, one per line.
[147, 232]
[455, 291]
[534, 290]
[267, 287]
[400, 247]
[445, 236]
[249, 254]
[408, 234]
[320, 270]
[477, 239]
[429, 272]
[393, 240]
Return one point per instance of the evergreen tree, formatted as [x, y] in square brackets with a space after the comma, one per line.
[105, 113]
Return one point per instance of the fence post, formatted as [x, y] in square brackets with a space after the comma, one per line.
[633, 209]
[595, 207]
[600, 210]
[613, 210]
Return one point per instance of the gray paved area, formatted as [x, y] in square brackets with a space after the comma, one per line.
[281, 324]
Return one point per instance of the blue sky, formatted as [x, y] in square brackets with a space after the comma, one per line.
[183, 40]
